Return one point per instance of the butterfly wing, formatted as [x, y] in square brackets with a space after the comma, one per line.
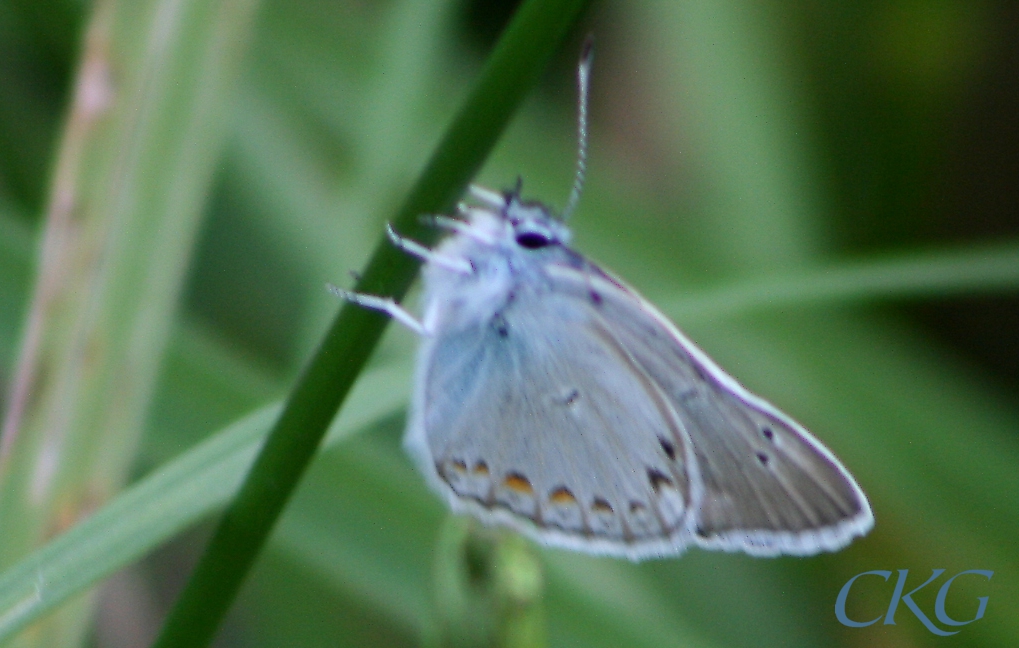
[580, 416]
[761, 483]
[539, 419]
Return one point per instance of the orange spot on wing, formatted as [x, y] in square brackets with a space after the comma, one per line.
[518, 483]
[562, 495]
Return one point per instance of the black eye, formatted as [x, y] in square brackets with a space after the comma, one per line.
[532, 240]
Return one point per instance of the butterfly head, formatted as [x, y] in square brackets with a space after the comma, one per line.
[530, 225]
[533, 224]
[517, 223]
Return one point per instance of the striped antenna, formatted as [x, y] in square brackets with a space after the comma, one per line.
[583, 83]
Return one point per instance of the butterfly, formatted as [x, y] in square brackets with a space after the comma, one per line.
[550, 397]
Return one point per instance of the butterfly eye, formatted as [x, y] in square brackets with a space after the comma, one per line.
[532, 240]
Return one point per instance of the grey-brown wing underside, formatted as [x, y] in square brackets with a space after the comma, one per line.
[583, 418]
[761, 482]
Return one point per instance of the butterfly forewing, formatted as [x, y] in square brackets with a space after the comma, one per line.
[761, 482]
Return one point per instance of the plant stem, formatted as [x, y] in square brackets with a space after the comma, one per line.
[134, 163]
[516, 63]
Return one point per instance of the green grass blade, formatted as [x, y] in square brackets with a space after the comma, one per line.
[165, 503]
[202, 480]
[971, 270]
[131, 170]
[529, 41]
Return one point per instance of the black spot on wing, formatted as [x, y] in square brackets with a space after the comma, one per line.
[668, 448]
[499, 325]
[657, 479]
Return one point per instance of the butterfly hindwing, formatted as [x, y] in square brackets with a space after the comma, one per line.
[539, 418]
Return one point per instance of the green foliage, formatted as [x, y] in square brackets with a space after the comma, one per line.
[762, 171]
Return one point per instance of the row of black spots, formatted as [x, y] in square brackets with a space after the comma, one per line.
[764, 458]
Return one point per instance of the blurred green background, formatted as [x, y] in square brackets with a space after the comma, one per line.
[731, 142]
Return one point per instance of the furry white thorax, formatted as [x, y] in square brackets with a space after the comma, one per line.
[501, 244]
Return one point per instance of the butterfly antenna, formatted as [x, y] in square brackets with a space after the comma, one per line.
[583, 84]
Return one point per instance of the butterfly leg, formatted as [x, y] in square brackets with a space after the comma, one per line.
[493, 199]
[460, 227]
[383, 304]
[447, 222]
[413, 248]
